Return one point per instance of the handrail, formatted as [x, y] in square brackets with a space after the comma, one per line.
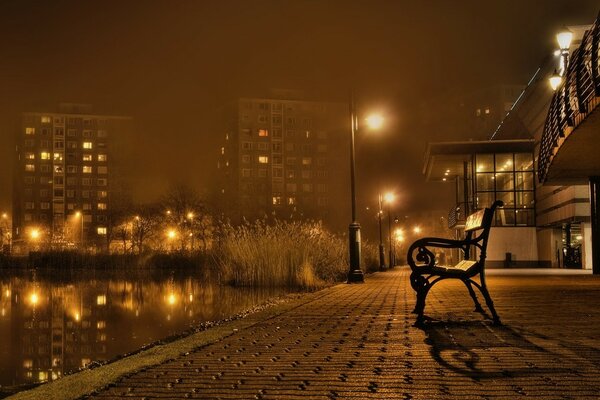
[574, 100]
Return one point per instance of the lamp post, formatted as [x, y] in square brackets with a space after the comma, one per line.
[355, 274]
[563, 38]
[381, 250]
[389, 199]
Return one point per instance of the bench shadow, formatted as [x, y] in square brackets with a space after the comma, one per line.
[459, 345]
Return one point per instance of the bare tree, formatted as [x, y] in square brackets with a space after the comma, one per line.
[144, 226]
[185, 212]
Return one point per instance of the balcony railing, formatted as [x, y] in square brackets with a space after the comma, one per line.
[574, 100]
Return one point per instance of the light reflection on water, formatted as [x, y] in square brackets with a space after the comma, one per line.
[55, 322]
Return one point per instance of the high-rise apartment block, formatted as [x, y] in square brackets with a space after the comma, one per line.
[63, 179]
[286, 159]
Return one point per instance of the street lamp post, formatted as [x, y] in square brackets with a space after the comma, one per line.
[355, 274]
[190, 217]
[389, 198]
[381, 250]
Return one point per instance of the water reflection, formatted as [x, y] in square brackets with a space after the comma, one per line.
[52, 323]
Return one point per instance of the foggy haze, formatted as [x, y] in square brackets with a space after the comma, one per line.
[173, 65]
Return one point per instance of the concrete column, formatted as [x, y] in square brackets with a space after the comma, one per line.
[595, 218]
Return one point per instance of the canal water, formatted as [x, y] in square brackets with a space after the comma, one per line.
[55, 322]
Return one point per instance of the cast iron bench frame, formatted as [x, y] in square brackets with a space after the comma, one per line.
[425, 272]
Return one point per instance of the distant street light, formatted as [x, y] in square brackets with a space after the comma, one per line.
[355, 274]
[417, 230]
[34, 234]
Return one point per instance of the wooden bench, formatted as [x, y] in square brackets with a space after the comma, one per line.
[426, 272]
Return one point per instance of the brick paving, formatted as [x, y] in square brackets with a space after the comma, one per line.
[358, 342]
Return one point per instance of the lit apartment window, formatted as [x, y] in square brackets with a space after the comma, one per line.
[263, 159]
[29, 167]
[102, 194]
[222, 150]
[87, 169]
[306, 160]
[101, 325]
[101, 230]
[45, 155]
[291, 201]
[101, 206]
[487, 110]
[263, 132]
[58, 169]
[478, 112]
[87, 145]
[87, 157]
[103, 170]
[58, 156]
[30, 131]
[101, 300]
[276, 200]
[29, 156]
[27, 364]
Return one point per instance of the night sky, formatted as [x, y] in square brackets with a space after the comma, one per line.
[174, 65]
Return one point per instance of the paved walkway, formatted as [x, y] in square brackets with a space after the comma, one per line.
[358, 342]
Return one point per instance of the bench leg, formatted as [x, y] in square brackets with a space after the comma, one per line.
[490, 303]
[473, 295]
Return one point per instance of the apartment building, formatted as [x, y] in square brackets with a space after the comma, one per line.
[285, 158]
[63, 179]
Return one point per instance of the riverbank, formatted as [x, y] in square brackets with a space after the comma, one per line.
[357, 341]
[93, 380]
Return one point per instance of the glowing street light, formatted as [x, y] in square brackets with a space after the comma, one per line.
[171, 234]
[417, 229]
[374, 121]
[171, 299]
[34, 234]
[564, 38]
[555, 80]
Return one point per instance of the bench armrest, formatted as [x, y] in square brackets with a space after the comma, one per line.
[425, 258]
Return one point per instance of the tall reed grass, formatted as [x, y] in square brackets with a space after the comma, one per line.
[293, 254]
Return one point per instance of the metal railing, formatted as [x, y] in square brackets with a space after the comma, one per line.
[574, 99]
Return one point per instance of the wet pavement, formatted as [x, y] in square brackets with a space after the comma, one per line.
[358, 341]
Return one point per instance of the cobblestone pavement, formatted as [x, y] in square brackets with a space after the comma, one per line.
[357, 341]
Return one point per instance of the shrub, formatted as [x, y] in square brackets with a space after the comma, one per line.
[294, 254]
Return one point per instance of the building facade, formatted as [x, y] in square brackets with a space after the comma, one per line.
[284, 158]
[63, 179]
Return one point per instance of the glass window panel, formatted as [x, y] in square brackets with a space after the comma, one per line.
[507, 197]
[485, 163]
[505, 181]
[525, 217]
[523, 162]
[524, 180]
[484, 199]
[505, 217]
[504, 162]
[524, 199]
[485, 182]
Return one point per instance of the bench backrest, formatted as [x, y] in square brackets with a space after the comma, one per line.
[481, 219]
